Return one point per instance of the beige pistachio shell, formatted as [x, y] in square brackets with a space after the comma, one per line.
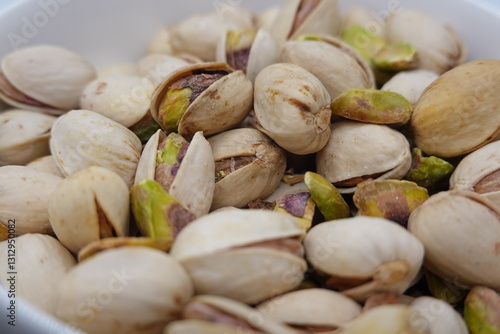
[82, 201]
[123, 98]
[160, 42]
[458, 112]
[457, 228]
[334, 63]
[223, 105]
[440, 316]
[50, 74]
[293, 108]
[266, 18]
[255, 180]
[213, 245]
[311, 307]
[388, 319]
[365, 248]
[410, 84]
[24, 194]
[124, 290]
[158, 67]
[82, 138]
[194, 183]
[199, 326]
[24, 136]
[198, 35]
[325, 19]
[118, 69]
[41, 262]
[357, 150]
[46, 164]
[364, 18]
[476, 167]
[286, 189]
[264, 52]
[438, 45]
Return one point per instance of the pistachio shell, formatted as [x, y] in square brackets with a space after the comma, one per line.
[44, 262]
[83, 138]
[286, 189]
[372, 106]
[132, 288]
[49, 74]
[46, 164]
[160, 42]
[86, 204]
[157, 67]
[356, 151]
[379, 253]
[458, 112]
[410, 84]
[457, 228]
[198, 326]
[482, 311]
[440, 316]
[300, 206]
[24, 136]
[327, 197]
[24, 194]
[325, 308]
[264, 52]
[291, 103]
[120, 69]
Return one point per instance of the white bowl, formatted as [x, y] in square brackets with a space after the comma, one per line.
[117, 31]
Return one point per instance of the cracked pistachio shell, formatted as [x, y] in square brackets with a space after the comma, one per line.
[143, 288]
[257, 178]
[358, 151]
[325, 309]
[286, 189]
[293, 108]
[44, 262]
[478, 172]
[388, 319]
[234, 48]
[242, 313]
[390, 199]
[198, 35]
[46, 164]
[438, 45]
[52, 76]
[460, 231]
[328, 199]
[410, 84]
[372, 106]
[24, 194]
[157, 67]
[368, 254]
[427, 171]
[300, 206]
[439, 316]
[194, 184]
[211, 247]
[123, 98]
[91, 204]
[222, 106]
[482, 311]
[458, 112]
[333, 62]
[24, 136]
[82, 138]
[298, 17]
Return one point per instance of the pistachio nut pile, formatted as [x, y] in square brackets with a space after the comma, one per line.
[295, 171]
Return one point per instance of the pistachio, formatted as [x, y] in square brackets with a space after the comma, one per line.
[379, 299]
[363, 17]
[395, 57]
[300, 206]
[363, 41]
[237, 48]
[390, 199]
[46, 164]
[410, 84]
[444, 290]
[4, 232]
[438, 316]
[427, 171]
[482, 311]
[328, 199]
[158, 214]
[372, 106]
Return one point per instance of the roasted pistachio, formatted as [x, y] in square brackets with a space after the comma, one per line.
[363, 41]
[328, 199]
[410, 84]
[395, 57]
[482, 311]
[427, 171]
[300, 206]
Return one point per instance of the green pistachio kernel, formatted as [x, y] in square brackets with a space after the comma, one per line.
[444, 290]
[173, 107]
[395, 57]
[482, 311]
[363, 41]
[428, 171]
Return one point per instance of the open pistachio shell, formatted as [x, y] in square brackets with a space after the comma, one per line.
[24, 194]
[363, 255]
[457, 228]
[213, 245]
[24, 136]
[410, 84]
[124, 290]
[41, 262]
[264, 52]
[298, 17]
[478, 172]
[300, 206]
[482, 311]
[155, 68]
[458, 112]
[333, 62]
[83, 138]
[248, 166]
[359, 151]
[286, 189]
[46, 164]
[193, 107]
[44, 78]
[325, 309]
[293, 108]
[88, 205]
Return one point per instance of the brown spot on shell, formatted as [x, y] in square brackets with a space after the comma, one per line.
[100, 88]
[300, 105]
[272, 94]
